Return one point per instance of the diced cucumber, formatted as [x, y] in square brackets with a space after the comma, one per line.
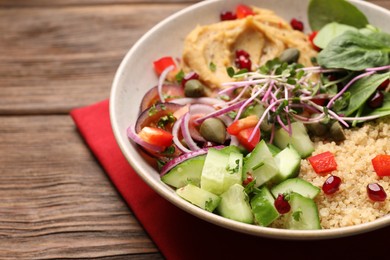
[263, 207]
[296, 185]
[289, 164]
[260, 164]
[186, 172]
[220, 171]
[201, 198]
[303, 214]
[235, 205]
[273, 149]
[299, 139]
[233, 174]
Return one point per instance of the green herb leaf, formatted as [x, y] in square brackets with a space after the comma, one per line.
[230, 71]
[329, 32]
[322, 12]
[212, 66]
[362, 90]
[354, 51]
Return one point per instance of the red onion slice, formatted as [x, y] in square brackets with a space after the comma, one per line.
[186, 133]
[175, 133]
[133, 136]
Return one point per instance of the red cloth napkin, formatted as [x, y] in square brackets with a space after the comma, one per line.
[179, 235]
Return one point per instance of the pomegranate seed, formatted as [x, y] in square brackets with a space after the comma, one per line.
[227, 16]
[243, 60]
[249, 178]
[384, 84]
[331, 184]
[189, 76]
[281, 204]
[376, 192]
[296, 24]
[376, 100]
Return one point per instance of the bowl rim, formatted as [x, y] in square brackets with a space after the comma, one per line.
[160, 187]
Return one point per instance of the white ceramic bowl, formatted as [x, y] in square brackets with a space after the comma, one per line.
[136, 75]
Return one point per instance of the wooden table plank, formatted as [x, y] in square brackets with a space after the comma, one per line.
[56, 201]
[55, 59]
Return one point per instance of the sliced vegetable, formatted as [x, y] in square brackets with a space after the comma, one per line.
[323, 163]
[263, 207]
[296, 185]
[260, 164]
[244, 138]
[188, 171]
[161, 64]
[156, 136]
[243, 11]
[381, 164]
[170, 92]
[303, 214]
[235, 205]
[242, 124]
[201, 198]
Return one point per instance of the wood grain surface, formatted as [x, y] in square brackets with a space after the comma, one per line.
[55, 200]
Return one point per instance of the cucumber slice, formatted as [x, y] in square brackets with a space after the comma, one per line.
[220, 171]
[273, 149]
[233, 173]
[260, 164]
[299, 139]
[263, 207]
[201, 198]
[296, 185]
[186, 172]
[235, 205]
[303, 214]
[289, 164]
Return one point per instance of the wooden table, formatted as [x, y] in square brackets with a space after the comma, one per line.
[55, 199]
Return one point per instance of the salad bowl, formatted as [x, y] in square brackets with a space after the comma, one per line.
[135, 76]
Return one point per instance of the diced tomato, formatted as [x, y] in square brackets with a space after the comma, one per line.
[156, 136]
[243, 11]
[323, 162]
[242, 124]
[161, 64]
[311, 39]
[244, 135]
[381, 164]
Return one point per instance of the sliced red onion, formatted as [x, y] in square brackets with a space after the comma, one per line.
[175, 133]
[172, 163]
[186, 133]
[221, 111]
[133, 136]
[161, 82]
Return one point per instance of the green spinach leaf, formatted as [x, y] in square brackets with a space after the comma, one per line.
[362, 90]
[322, 12]
[329, 32]
[355, 51]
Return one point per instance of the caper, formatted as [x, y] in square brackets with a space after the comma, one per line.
[318, 128]
[289, 55]
[213, 130]
[194, 88]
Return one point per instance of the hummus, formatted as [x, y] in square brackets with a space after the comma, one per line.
[210, 49]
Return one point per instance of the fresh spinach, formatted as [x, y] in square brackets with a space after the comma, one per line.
[356, 51]
[331, 31]
[361, 90]
[322, 12]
